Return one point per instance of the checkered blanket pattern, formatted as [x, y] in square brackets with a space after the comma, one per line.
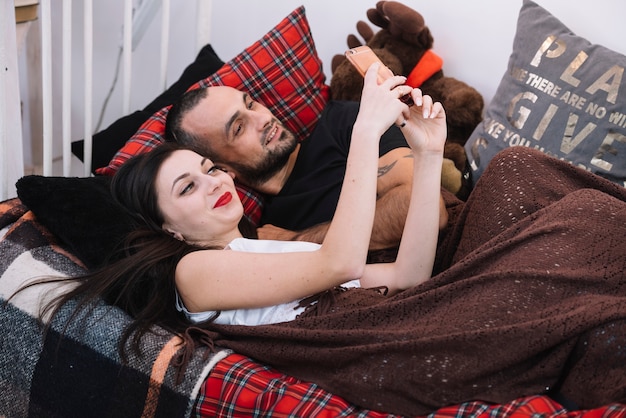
[76, 371]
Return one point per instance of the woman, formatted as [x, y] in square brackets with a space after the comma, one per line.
[196, 203]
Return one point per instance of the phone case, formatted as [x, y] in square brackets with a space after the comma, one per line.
[362, 57]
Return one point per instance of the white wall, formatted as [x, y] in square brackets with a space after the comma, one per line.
[473, 37]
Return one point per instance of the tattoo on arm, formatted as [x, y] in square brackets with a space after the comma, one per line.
[387, 168]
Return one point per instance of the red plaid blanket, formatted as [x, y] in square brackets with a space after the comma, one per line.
[240, 387]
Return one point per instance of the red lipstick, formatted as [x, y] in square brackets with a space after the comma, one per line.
[223, 200]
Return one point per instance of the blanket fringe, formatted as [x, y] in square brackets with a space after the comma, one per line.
[193, 338]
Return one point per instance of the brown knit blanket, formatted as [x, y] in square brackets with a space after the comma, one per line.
[529, 298]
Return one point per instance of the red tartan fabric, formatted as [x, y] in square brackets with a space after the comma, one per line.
[240, 387]
[281, 70]
[528, 407]
[149, 135]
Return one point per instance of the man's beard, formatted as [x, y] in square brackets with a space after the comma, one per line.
[274, 160]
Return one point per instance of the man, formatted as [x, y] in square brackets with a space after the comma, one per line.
[301, 181]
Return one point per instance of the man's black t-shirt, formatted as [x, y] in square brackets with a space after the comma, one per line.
[311, 193]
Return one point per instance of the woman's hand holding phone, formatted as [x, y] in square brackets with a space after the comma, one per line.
[363, 57]
[424, 126]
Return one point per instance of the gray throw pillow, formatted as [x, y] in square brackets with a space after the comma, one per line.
[561, 94]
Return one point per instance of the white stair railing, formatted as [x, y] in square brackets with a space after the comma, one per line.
[11, 129]
[11, 155]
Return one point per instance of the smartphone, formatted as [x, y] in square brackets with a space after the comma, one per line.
[362, 57]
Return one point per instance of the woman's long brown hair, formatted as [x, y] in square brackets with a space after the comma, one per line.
[140, 280]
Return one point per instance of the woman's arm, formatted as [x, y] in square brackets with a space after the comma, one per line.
[216, 280]
[425, 131]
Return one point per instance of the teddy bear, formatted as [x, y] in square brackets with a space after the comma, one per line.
[404, 44]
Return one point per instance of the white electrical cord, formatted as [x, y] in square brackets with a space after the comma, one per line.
[143, 15]
[111, 89]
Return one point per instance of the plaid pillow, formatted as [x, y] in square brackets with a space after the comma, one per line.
[281, 70]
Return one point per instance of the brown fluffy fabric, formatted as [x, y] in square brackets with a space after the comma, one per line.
[531, 298]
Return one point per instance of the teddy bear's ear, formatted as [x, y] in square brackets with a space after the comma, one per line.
[366, 33]
[364, 30]
[353, 41]
[377, 15]
[335, 62]
[404, 22]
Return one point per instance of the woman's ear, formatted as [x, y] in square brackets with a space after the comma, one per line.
[174, 234]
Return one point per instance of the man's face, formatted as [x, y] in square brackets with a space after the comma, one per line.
[244, 135]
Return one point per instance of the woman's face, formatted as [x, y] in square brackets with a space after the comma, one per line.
[199, 202]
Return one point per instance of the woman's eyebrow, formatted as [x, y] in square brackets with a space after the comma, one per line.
[182, 176]
[177, 179]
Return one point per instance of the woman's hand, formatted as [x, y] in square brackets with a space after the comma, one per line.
[380, 107]
[425, 127]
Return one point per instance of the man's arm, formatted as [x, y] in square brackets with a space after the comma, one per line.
[395, 175]
[313, 234]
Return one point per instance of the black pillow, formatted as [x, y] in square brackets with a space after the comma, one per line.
[206, 63]
[108, 141]
[80, 212]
